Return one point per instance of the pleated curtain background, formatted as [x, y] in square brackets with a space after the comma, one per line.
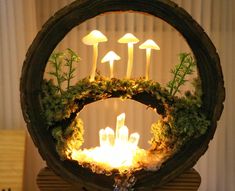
[20, 20]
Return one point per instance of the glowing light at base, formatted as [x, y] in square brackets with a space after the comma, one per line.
[117, 150]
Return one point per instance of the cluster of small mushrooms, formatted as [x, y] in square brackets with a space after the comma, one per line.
[95, 37]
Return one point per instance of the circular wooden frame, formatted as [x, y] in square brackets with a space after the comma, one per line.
[76, 13]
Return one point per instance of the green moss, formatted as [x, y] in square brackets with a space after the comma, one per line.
[58, 107]
[184, 122]
[71, 137]
[182, 119]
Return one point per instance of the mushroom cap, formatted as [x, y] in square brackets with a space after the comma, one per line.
[94, 37]
[128, 38]
[149, 44]
[110, 56]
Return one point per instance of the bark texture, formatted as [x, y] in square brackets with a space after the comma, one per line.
[52, 33]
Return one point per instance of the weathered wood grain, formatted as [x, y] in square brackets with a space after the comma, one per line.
[53, 32]
[48, 181]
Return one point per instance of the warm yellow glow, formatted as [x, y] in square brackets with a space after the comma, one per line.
[121, 120]
[119, 123]
[148, 45]
[93, 39]
[123, 135]
[116, 151]
[134, 139]
[110, 57]
[110, 136]
[130, 40]
[103, 138]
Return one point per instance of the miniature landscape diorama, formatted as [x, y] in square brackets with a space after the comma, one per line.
[181, 117]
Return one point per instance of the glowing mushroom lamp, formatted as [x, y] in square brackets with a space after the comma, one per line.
[110, 57]
[93, 39]
[129, 39]
[148, 45]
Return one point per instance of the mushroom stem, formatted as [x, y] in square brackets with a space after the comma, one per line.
[148, 45]
[95, 57]
[111, 68]
[110, 57]
[130, 60]
[148, 55]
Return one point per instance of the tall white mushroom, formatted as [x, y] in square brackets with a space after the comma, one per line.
[148, 45]
[110, 57]
[130, 39]
[93, 39]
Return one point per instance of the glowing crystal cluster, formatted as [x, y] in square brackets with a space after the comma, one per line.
[117, 150]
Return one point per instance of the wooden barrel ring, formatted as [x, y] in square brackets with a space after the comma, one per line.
[54, 30]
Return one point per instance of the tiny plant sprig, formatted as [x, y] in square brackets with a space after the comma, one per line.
[60, 60]
[181, 70]
[70, 58]
[56, 62]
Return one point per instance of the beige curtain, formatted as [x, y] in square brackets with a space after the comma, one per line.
[21, 19]
[17, 30]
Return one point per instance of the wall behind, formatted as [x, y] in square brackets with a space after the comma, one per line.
[21, 19]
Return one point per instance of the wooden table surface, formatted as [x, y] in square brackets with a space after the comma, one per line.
[48, 181]
[12, 151]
